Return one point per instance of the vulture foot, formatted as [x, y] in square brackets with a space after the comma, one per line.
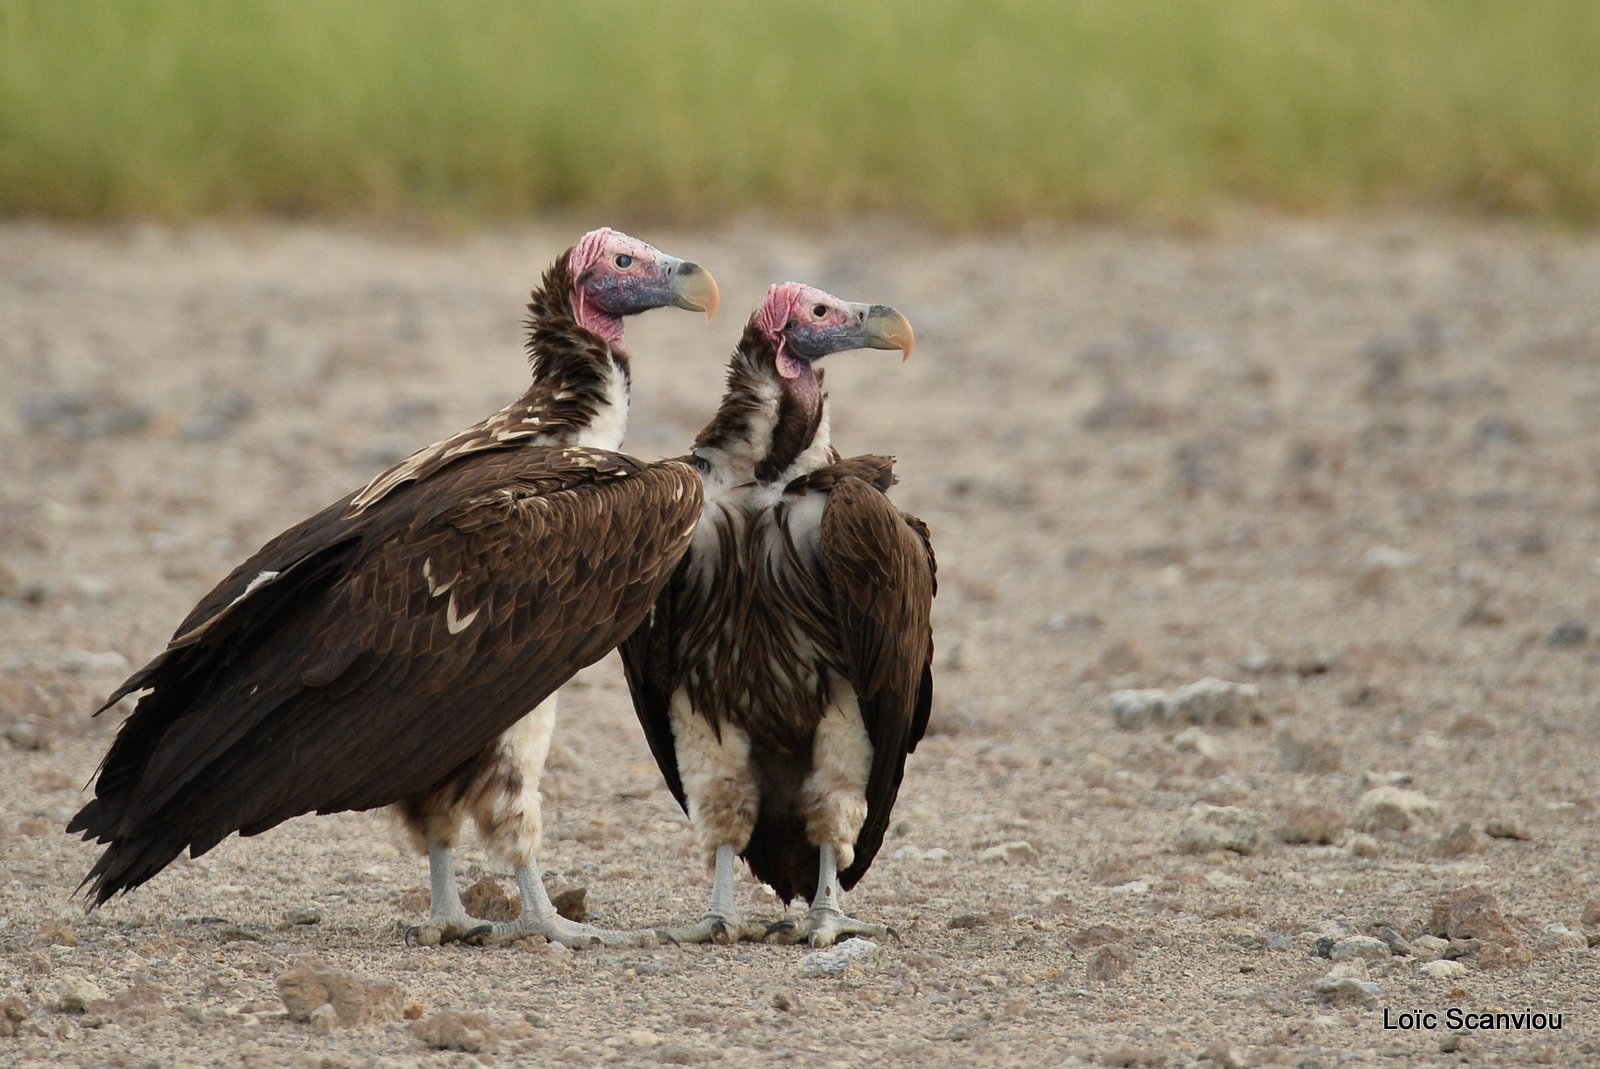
[572, 934]
[539, 917]
[467, 930]
[723, 931]
[824, 927]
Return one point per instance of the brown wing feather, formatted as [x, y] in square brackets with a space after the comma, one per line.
[365, 679]
[880, 570]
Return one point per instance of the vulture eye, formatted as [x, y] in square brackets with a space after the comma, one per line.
[624, 261]
[819, 310]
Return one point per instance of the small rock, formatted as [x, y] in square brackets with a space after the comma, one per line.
[1220, 827]
[1193, 740]
[1303, 824]
[1207, 701]
[1392, 809]
[1566, 634]
[968, 921]
[1360, 845]
[1015, 851]
[1218, 702]
[450, 1030]
[1346, 989]
[1224, 1056]
[487, 900]
[304, 915]
[75, 994]
[1397, 944]
[1458, 841]
[12, 1014]
[1560, 937]
[1507, 828]
[1110, 961]
[1470, 917]
[1362, 947]
[1379, 565]
[1442, 970]
[1099, 935]
[1309, 755]
[571, 903]
[835, 960]
[679, 1054]
[1354, 969]
[1134, 709]
[1469, 913]
[1427, 947]
[1590, 917]
[310, 985]
[785, 1002]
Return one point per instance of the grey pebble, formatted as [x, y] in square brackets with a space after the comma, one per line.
[1566, 634]
[1346, 987]
[834, 961]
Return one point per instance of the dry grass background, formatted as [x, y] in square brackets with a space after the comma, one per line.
[958, 113]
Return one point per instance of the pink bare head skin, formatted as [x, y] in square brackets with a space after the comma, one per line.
[615, 275]
[792, 304]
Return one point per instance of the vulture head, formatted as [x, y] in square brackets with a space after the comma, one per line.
[614, 275]
[803, 324]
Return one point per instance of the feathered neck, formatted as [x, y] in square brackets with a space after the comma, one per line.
[580, 380]
[767, 427]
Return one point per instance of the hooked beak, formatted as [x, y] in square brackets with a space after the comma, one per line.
[884, 328]
[692, 287]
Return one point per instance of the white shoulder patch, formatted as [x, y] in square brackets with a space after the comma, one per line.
[454, 623]
[259, 581]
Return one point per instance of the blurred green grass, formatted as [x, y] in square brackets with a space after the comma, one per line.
[963, 114]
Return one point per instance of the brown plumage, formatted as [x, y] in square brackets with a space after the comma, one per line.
[374, 653]
[797, 622]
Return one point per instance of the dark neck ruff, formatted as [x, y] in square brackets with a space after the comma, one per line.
[571, 366]
[799, 410]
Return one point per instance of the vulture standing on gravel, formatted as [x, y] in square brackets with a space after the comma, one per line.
[403, 646]
[785, 671]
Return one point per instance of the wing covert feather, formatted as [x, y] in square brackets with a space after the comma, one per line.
[470, 597]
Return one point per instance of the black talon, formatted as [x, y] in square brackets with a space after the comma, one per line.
[895, 936]
[719, 933]
[411, 935]
[776, 927]
[478, 936]
[667, 937]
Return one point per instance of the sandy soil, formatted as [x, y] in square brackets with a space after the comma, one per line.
[1352, 465]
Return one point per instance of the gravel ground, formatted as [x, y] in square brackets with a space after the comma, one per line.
[1350, 467]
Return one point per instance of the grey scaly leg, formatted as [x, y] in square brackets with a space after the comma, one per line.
[447, 920]
[721, 923]
[825, 922]
[539, 917]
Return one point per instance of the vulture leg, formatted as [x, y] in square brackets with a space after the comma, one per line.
[825, 922]
[721, 924]
[539, 917]
[448, 921]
